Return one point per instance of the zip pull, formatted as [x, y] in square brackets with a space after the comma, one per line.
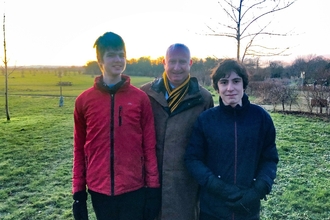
[120, 118]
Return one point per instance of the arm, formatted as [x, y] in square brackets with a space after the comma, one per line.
[152, 190]
[79, 137]
[79, 206]
[267, 165]
[149, 145]
[195, 155]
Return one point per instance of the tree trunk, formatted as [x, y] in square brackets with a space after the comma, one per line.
[238, 35]
[6, 70]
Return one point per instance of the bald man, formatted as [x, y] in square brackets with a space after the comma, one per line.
[177, 99]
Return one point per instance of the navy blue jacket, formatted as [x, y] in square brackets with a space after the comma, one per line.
[237, 144]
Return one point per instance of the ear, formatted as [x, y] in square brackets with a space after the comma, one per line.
[164, 62]
[190, 62]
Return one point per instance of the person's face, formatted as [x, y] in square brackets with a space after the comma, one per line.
[177, 66]
[113, 63]
[231, 89]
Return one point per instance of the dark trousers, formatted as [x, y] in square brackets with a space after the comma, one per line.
[128, 206]
[204, 216]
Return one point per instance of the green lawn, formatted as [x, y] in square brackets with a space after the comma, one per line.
[36, 162]
[45, 83]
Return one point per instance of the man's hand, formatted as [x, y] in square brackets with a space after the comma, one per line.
[79, 206]
[152, 204]
[228, 192]
[250, 199]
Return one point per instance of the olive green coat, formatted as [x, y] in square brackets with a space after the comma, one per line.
[179, 189]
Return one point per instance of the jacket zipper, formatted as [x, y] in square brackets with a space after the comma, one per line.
[235, 167]
[235, 164]
[112, 145]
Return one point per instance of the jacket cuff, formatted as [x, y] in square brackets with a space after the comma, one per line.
[80, 196]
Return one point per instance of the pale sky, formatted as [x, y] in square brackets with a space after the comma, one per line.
[62, 32]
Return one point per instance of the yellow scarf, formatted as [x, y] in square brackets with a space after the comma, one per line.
[175, 95]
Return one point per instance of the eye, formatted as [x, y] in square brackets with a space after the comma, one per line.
[111, 55]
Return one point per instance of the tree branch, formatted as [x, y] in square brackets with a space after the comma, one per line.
[275, 9]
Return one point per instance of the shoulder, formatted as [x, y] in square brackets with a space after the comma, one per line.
[146, 86]
[195, 84]
[207, 97]
[210, 112]
[204, 91]
[258, 110]
[86, 96]
[157, 85]
[137, 92]
[86, 93]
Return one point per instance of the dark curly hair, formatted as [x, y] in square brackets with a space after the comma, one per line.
[227, 66]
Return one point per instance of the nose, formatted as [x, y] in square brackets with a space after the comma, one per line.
[117, 57]
[230, 86]
[176, 66]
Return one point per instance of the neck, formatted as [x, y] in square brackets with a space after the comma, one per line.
[111, 80]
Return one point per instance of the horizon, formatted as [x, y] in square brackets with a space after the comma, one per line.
[283, 62]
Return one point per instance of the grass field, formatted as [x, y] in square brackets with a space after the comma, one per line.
[45, 83]
[36, 160]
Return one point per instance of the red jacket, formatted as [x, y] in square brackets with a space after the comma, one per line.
[114, 140]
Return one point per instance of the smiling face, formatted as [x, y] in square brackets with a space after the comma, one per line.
[177, 64]
[231, 89]
[113, 63]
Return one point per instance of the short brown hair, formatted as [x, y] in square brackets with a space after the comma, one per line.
[108, 40]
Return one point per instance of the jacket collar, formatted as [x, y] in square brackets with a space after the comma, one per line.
[159, 86]
[192, 98]
[123, 84]
[238, 108]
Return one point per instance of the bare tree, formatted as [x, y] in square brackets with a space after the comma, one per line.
[317, 96]
[6, 68]
[293, 95]
[247, 22]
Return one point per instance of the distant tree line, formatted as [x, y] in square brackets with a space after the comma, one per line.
[144, 66]
[315, 69]
[302, 82]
